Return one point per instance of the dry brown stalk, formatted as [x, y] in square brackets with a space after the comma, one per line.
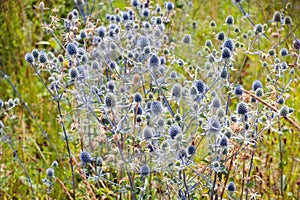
[291, 121]
[64, 188]
[85, 181]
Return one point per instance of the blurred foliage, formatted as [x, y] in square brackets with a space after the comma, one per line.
[21, 31]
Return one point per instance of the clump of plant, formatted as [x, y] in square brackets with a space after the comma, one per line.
[150, 121]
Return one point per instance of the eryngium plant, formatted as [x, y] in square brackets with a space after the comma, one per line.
[128, 91]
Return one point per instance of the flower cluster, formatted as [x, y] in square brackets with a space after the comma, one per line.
[139, 107]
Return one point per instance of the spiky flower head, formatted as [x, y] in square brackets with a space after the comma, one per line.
[145, 170]
[174, 130]
[169, 6]
[201, 87]
[154, 61]
[277, 16]
[226, 53]
[148, 133]
[177, 90]
[85, 157]
[29, 58]
[50, 172]
[110, 100]
[242, 108]
[72, 48]
[156, 108]
[187, 39]
[229, 44]
[231, 187]
[191, 150]
[229, 20]
[256, 84]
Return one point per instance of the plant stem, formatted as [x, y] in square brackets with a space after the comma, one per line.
[128, 174]
[281, 160]
[213, 187]
[185, 185]
[68, 147]
[20, 162]
[243, 179]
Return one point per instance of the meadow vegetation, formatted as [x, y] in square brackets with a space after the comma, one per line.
[149, 99]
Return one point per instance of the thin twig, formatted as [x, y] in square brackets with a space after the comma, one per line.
[291, 121]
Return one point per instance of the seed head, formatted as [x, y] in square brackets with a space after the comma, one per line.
[111, 86]
[226, 53]
[191, 150]
[220, 113]
[137, 110]
[161, 122]
[125, 16]
[229, 44]
[224, 73]
[177, 117]
[1, 125]
[29, 58]
[284, 111]
[50, 172]
[238, 90]
[145, 170]
[153, 61]
[101, 31]
[284, 52]
[224, 142]
[187, 39]
[259, 92]
[43, 57]
[208, 43]
[83, 34]
[110, 100]
[95, 65]
[256, 84]
[182, 154]
[162, 60]
[231, 187]
[148, 133]
[146, 12]
[156, 107]
[177, 90]
[35, 53]
[221, 36]
[73, 73]
[242, 108]
[138, 97]
[215, 126]
[280, 100]
[174, 130]
[54, 164]
[169, 6]
[216, 103]
[85, 157]
[72, 48]
[288, 20]
[296, 44]
[258, 28]
[229, 20]
[277, 16]
[135, 3]
[200, 85]
[143, 42]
